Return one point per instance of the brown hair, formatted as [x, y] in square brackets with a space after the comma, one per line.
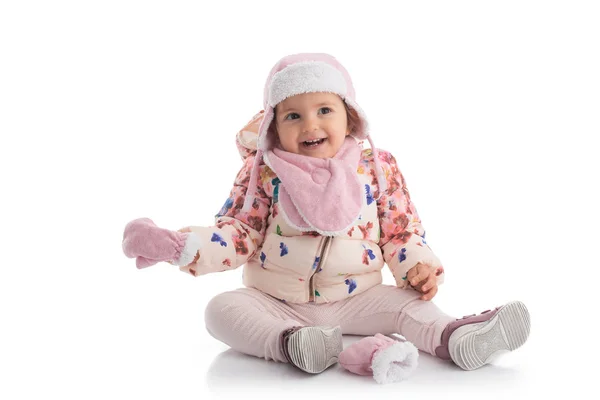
[353, 118]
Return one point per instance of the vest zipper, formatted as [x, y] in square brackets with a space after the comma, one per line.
[322, 255]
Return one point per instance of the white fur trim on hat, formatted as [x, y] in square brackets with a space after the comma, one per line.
[306, 77]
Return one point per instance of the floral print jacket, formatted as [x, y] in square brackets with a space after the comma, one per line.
[302, 267]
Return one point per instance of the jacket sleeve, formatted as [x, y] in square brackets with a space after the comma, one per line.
[236, 235]
[402, 234]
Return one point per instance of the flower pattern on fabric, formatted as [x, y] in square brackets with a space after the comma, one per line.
[365, 229]
[402, 234]
[255, 222]
[263, 257]
[367, 255]
[240, 243]
[217, 238]
[284, 249]
[267, 174]
[398, 215]
[351, 285]
[370, 198]
[228, 204]
[316, 263]
[387, 226]
[402, 255]
[275, 182]
[246, 229]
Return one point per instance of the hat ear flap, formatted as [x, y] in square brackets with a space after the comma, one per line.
[265, 140]
[357, 118]
[272, 135]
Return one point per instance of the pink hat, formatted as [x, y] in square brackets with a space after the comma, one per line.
[306, 73]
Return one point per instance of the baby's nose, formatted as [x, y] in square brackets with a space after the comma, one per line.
[311, 125]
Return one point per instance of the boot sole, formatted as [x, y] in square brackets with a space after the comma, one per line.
[314, 349]
[506, 331]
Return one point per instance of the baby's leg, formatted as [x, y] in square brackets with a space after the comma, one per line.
[470, 342]
[251, 322]
[387, 309]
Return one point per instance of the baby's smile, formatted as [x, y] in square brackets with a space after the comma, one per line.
[314, 143]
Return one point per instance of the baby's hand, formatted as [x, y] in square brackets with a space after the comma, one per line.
[150, 244]
[423, 279]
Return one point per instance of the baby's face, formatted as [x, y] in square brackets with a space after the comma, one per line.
[312, 124]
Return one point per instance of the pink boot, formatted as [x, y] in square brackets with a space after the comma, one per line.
[386, 359]
[149, 244]
[474, 340]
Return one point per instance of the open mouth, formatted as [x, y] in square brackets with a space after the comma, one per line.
[313, 143]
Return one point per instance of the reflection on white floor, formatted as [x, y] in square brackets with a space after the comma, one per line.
[231, 371]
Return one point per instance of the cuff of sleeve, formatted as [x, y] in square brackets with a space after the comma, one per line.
[394, 363]
[410, 254]
[192, 245]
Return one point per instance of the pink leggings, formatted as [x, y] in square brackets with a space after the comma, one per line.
[252, 322]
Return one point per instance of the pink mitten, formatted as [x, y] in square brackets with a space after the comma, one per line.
[149, 244]
[388, 360]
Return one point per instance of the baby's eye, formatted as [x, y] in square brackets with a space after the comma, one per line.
[325, 110]
[292, 116]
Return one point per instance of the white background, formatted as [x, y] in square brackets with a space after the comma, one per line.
[114, 110]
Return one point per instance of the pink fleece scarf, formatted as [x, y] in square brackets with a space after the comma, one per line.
[319, 194]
